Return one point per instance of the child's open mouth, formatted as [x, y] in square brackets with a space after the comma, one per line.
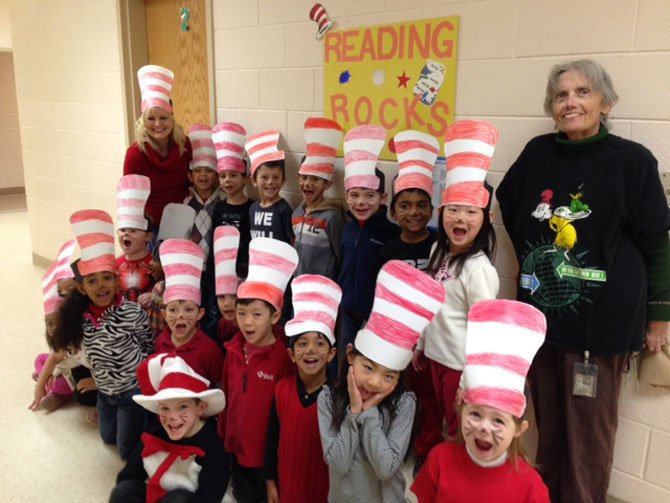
[458, 232]
[483, 446]
[127, 243]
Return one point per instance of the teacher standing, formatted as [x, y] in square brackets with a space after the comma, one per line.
[588, 219]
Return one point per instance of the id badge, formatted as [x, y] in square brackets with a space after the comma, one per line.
[585, 379]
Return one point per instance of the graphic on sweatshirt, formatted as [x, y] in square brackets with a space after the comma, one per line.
[552, 274]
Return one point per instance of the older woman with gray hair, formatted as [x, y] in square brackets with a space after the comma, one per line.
[588, 219]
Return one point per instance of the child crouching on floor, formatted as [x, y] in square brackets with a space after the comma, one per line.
[182, 458]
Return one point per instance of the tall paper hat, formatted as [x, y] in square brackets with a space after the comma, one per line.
[323, 138]
[262, 147]
[59, 269]
[94, 231]
[204, 154]
[156, 87]
[417, 153]
[406, 301]
[132, 193]
[226, 244]
[502, 339]
[229, 139]
[182, 262]
[271, 265]
[319, 15]
[167, 376]
[176, 222]
[315, 302]
[468, 147]
[362, 146]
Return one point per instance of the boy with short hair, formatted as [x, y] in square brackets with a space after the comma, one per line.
[318, 221]
[229, 139]
[368, 231]
[133, 267]
[182, 458]
[255, 361]
[294, 466]
[182, 263]
[271, 216]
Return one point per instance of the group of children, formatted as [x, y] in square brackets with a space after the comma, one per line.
[296, 290]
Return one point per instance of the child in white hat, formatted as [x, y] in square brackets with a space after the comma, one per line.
[114, 333]
[487, 464]
[182, 458]
[162, 151]
[366, 421]
[255, 361]
[294, 465]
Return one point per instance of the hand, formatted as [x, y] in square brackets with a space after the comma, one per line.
[458, 399]
[86, 384]
[144, 299]
[273, 492]
[419, 360]
[37, 398]
[378, 398]
[656, 334]
[355, 399]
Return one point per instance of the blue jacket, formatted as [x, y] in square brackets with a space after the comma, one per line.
[361, 261]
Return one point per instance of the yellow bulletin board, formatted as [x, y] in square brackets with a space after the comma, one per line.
[399, 76]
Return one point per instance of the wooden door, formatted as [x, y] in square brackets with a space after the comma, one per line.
[183, 52]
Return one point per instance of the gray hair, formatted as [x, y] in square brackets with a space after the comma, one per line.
[593, 72]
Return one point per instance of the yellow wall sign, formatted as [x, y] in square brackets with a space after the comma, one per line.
[399, 76]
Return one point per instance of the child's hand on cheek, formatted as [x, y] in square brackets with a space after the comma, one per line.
[378, 398]
[355, 399]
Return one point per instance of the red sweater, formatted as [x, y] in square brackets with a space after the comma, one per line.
[169, 176]
[201, 353]
[249, 388]
[450, 476]
[302, 472]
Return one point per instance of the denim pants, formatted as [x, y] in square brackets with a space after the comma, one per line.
[121, 420]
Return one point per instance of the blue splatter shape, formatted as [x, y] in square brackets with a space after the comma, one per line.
[345, 77]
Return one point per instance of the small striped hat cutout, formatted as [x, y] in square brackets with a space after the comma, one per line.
[406, 301]
[132, 193]
[315, 303]
[94, 231]
[323, 137]
[502, 339]
[271, 265]
[155, 87]
[182, 262]
[468, 147]
[263, 147]
[362, 146]
[226, 244]
[58, 270]
[229, 138]
[204, 154]
[417, 153]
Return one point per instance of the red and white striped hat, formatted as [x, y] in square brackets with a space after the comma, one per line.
[203, 147]
[155, 87]
[417, 153]
[132, 193]
[319, 15]
[167, 376]
[229, 139]
[271, 265]
[182, 262]
[59, 269]
[468, 147]
[406, 301]
[226, 244]
[262, 147]
[362, 146]
[323, 137]
[502, 339]
[315, 302]
[94, 231]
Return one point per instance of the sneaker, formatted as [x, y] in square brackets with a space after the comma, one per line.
[52, 401]
[92, 416]
[418, 463]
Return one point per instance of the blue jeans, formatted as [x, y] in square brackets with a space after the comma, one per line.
[121, 420]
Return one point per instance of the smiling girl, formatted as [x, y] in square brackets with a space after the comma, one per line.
[461, 257]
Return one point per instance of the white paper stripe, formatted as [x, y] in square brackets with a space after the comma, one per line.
[364, 144]
[381, 351]
[418, 297]
[182, 279]
[97, 250]
[228, 137]
[502, 338]
[483, 375]
[93, 226]
[329, 137]
[458, 175]
[181, 258]
[459, 146]
[267, 275]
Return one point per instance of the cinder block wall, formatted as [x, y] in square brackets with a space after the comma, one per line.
[269, 75]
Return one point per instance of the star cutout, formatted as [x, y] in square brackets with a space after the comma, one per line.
[402, 80]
